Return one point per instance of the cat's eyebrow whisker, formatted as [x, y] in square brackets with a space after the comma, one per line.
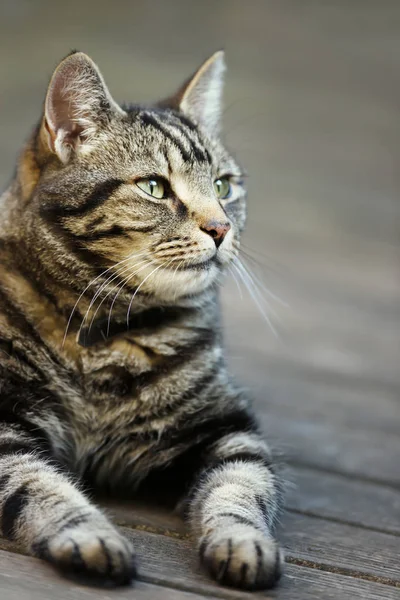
[256, 299]
[144, 280]
[86, 289]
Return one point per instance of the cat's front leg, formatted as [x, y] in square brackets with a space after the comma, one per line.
[48, 516]
[232, 510]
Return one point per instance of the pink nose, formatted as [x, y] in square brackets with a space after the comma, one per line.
[217, 230]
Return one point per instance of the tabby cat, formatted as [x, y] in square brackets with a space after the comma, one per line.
[114, 235]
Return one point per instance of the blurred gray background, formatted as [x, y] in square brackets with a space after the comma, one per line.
[313, 113]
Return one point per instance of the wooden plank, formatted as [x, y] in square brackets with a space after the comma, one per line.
[311, 584]
[325, 424]
[24, 578]
[339, 546]
[309, 538]
[175, 561]
[348, 501]
[361, 454]
[168, 562]
[334, 343]
[282, 390]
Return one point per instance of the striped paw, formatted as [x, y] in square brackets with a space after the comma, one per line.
[242, 557]
[96, 556]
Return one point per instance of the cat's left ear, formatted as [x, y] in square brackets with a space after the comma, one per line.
[78, 104]
[200, 98]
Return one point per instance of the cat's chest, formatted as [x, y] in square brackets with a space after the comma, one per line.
[103, 347]
[132, 377]
[112, 378]
[115, 372]
[123, 394]
[125, 352]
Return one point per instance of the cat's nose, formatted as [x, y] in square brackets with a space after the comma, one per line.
[217, 230]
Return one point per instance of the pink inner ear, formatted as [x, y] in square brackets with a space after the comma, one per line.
[60, 105]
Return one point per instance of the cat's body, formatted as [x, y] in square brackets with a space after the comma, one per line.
[111, 362]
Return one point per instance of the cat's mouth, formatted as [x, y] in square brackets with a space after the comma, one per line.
[198, 266]
[177, 279]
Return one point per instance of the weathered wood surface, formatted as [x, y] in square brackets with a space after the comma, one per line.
[23, 578]
[309, 538]
[313, 102]
[168, 572]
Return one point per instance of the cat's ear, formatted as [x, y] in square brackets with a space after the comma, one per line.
[200, 98]
[77, 104]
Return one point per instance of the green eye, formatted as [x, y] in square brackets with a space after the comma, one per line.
[153, 187]
[222, 188]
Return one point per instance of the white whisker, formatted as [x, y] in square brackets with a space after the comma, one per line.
[232, 272]
[257, 282]
[143, 262]
[174, 274]
[124, 283]
[246, 276]
[136, 291]
[86, 289]
[251, 289]
[109, 279]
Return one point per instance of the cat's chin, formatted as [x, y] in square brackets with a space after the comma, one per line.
[171, 285]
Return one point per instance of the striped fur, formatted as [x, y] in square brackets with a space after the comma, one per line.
[111, 359]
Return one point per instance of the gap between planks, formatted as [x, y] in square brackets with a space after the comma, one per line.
[320, 566]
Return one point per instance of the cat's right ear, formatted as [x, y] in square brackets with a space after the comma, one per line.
[77, 105]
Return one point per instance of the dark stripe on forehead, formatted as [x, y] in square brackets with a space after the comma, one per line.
[209, 157]
[190, 132]
[99, 194]
[189, 124]
[199, 153]
[148, 119]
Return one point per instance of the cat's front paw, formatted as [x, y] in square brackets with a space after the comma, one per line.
[242, 557]
[92, 555]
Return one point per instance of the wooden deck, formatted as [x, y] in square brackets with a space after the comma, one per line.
[313, 109]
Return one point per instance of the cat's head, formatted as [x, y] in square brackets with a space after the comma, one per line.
[149, 192]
